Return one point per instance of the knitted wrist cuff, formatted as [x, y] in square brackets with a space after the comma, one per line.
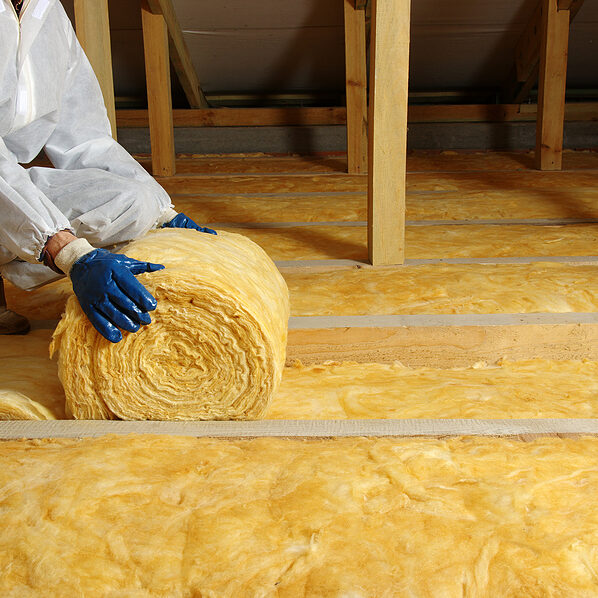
[70, 253]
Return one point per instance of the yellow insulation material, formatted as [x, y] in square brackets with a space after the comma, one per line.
[215, 349]
[171, 516]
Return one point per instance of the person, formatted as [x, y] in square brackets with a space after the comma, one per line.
[58, 221]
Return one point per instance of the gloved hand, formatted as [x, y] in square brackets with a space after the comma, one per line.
[182, 221]
[109, 293]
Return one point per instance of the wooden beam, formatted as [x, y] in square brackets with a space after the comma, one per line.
[522, 429]
[356, 89]
[360, 4]
[387, 118]
[241, 117]
[552, 86]
[179, 53]
[443, 346]
[93, 30]
[525, 87]
[574, 7]
[159, 95]
[442, 113]
[574, 111]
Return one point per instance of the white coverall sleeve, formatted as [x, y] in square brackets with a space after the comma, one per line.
[29, 218]
[82, 137]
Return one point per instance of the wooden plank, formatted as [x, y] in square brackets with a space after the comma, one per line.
[445, 346]
[179, 54]
[15, 430]
[387, 118]
[440, 320]
[265, 117]
[93, 30]
[241, 117]
[526, 86]
[159, 99]
[356, 89]
[314, 266]
[582, 111]
[552, 86]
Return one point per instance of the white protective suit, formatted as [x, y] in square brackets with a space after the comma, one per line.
[50, 99]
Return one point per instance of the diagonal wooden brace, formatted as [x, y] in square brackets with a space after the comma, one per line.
[525, 72]
[179, 53]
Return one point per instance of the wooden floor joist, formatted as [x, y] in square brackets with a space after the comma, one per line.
[443, 346]
[524, 428]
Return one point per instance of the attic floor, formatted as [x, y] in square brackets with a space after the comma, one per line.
[487, 235]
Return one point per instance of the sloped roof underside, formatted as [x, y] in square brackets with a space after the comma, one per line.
[274, 46]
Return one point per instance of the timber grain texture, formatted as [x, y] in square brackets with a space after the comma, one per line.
[525, 428]
[443, 346]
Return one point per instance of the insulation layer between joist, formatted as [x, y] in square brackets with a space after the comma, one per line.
[302, 428]
[436, 289]
[472, 206]
[417, 161]
[429, 242]
[416, 182]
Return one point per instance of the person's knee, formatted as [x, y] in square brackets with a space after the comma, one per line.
[130, 214]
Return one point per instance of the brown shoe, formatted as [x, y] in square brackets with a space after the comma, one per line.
[12, 323]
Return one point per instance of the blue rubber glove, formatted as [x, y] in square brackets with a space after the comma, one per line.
[109, 293]
[182, 221]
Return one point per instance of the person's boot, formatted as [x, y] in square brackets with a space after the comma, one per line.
[10, 322]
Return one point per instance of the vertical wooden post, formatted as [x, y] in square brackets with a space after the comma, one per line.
[159, 95]
[552, 85]
[93, 30]
[356, 86]
[389, 80]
